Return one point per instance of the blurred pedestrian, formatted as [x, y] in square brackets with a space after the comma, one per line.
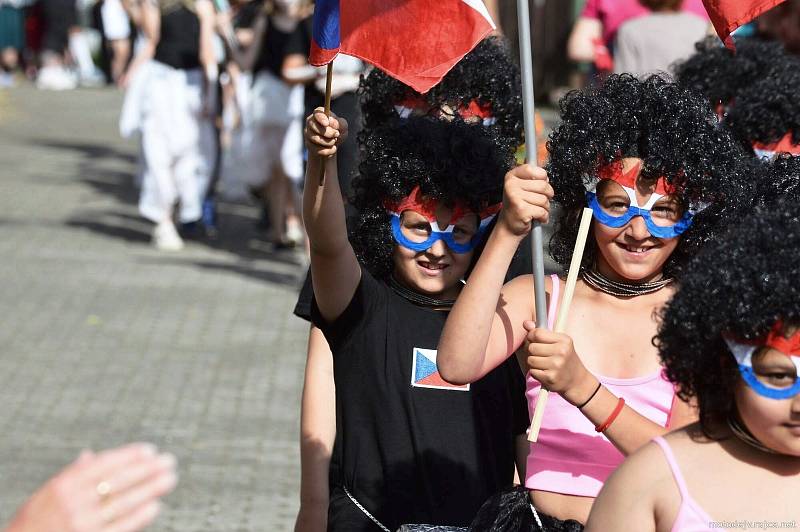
[347, 71]
[177, 92]
[652, 42]
[592, 36]
[117, 34]
[270, 150]
[12, 38]
[58, 16]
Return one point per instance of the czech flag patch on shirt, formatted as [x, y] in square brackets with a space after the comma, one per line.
[425, 374]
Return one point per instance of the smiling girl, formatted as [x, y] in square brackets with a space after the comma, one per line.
[730, 340]
[648, 159]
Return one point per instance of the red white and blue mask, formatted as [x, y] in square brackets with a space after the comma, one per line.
[785, 145]
[473, 112]
[661, 223]
[781, 388]
[422, 238]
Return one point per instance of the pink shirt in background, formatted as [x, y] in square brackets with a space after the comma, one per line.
[612, 13]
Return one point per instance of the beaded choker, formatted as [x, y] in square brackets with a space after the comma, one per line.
[420, 299]
[599, 281]
[744, 435]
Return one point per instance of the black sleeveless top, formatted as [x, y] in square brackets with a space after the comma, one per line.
[179, 43]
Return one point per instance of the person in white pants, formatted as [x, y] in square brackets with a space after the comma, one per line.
[177, 96]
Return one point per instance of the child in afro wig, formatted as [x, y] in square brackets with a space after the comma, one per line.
[753, 89]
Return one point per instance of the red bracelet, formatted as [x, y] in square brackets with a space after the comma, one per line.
[607, 423]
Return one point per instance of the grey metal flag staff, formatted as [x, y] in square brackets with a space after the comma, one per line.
[537, 239]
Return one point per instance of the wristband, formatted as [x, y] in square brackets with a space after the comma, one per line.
[607, 423]
[586, 402]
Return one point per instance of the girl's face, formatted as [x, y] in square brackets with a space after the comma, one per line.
[630, 252]
[774, 422]
[436, 271]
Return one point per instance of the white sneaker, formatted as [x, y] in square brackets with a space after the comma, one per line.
[166, 237]
[55, 78]
[294, 233]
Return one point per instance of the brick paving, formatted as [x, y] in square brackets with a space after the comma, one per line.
[104, 340]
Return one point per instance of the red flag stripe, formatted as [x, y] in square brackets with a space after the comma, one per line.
[727, 15]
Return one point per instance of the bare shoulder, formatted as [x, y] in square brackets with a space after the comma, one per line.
[204, 8]
[628, 500]
[517, 296]
[523, 286]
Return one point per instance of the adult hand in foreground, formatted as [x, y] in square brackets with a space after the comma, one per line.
[117, 490]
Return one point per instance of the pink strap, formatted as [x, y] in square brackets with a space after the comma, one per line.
[673, 465]
[554, 301]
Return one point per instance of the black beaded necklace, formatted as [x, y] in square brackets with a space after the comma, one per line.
[597, 280]
[420, 299]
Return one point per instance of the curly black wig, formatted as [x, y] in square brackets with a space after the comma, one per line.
[755, 87]
[739, 285]
[670, 128]
[449, 161]
[486, 75]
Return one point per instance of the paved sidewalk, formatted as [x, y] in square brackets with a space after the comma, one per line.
[104, 340]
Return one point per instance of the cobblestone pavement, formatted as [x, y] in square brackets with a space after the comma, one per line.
[104, 340]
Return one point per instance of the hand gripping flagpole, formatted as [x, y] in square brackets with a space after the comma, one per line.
[531, 149]
[563, 312]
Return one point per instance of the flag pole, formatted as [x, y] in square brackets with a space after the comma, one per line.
[531, 149]
[563, 312]
[328, 83]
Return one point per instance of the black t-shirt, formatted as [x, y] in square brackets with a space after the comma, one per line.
[410, 447]
[179, 39]
[273, 49]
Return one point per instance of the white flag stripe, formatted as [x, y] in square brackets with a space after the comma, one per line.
[479, 6]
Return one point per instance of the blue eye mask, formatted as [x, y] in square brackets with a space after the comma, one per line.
[437, 234]
[625, 172]
[744, 357]
[658, 231]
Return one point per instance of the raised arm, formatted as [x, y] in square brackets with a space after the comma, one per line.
[334, 268]
[208, 60]
[244, 51]
[485, 325]
[581, 43]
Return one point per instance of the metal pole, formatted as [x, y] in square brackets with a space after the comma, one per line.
[537, 238]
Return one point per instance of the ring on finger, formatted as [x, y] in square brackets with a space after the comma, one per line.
[103, 489]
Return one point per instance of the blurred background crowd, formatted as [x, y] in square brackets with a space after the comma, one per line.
[216, 91]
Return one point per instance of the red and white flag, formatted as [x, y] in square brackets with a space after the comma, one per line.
[414, 41]
[727, 15]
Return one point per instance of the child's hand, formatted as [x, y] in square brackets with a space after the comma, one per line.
[552, 361]
[526, 199]
[323, 134]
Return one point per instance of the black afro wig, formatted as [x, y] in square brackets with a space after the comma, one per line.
[755, 88]
[739, 285]
[670, 128]
[487, 75]
[448, 160]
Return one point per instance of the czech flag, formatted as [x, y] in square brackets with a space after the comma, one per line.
[727, 15]
[425, 374]
[414, 41]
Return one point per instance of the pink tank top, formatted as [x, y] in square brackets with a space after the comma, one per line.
[691, 516]
[571, 457]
